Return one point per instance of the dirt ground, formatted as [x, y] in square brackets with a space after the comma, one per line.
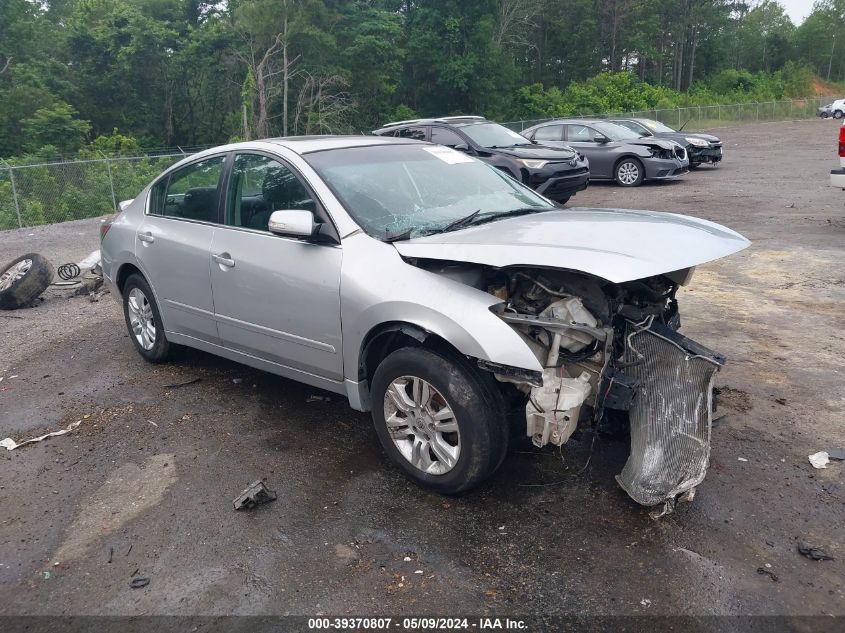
[147, 480]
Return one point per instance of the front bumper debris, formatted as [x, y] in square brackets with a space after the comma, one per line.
[670, 417]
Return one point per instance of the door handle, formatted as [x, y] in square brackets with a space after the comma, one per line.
[146, 237]
[224, 259]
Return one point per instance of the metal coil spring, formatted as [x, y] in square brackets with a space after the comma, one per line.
[68, 271]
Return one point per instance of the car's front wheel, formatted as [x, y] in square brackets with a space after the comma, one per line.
[629, 172]
[439, 419]
[837, 114]
[143, 320]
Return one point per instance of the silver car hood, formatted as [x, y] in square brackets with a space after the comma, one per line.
[614, 244]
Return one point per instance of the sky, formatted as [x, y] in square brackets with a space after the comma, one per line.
[797, 10]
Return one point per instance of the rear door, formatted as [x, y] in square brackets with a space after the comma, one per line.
[173, 243]
[276, 298]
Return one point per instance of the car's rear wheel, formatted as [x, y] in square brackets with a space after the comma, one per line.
[629, 172]
[837, 114]
[438, 419]
[143, 320]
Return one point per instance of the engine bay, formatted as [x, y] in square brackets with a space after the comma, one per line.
[589, 334]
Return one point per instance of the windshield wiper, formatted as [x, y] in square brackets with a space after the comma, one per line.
[495, 215]
[467, 219]
[476, 218]
[391, 237]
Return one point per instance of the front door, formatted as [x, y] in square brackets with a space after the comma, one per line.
[581, 138]
[173, 244]
[275, 298]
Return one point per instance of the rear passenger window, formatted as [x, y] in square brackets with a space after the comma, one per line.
[549, 133]
[445, 137]
[416, 133]
[192, 192]
[261, 185]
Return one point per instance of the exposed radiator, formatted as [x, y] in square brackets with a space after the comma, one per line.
[670, 416]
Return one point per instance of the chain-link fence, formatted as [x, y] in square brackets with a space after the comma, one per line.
[45, 193]
[709, 116]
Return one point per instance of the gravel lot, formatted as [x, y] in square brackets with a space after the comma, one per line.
[146, 482]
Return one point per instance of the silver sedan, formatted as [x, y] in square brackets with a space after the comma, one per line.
[615, 153]
[434, 291]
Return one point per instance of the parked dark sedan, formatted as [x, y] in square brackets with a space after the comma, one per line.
[555, 172]
[702, 148]
[615, 153]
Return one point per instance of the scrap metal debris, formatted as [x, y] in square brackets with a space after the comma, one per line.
[768, 572]
[176, 385]
[139, 581]
[836, 453]
[820, 459]
[254, 494]
[9, 444]
[812, 552]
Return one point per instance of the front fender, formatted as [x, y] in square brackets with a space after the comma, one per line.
[378, 286]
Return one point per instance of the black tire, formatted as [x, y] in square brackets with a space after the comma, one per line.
[27, 286]
[478, 407]
[629, 162]
[694, 165]
[837, 114]
[161, 348]
[825, 115]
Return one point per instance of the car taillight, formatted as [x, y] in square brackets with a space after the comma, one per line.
[842, 141]
[105, 225]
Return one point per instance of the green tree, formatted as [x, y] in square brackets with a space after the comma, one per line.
[57, 125]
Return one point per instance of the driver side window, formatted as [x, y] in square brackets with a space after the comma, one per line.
[260, 185]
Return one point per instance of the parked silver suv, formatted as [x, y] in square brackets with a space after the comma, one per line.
[432, 289]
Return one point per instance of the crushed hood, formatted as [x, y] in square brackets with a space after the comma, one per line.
[654, 141]
[537, 152]
[615, 244]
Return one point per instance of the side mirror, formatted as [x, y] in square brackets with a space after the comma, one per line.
[461, 147]
[601, 138]
[292, 222]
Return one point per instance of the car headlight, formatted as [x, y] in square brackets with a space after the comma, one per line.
[532, 163]
[697, 142]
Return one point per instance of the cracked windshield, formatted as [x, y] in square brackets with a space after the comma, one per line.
[405, 191]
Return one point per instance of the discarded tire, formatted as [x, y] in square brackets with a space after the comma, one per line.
[23, 280]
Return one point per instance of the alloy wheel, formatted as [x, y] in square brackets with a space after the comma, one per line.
[141, 318]
[422, 425]
[628, 173]
[14, 273]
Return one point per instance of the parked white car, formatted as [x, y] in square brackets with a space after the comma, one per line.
[836, 109]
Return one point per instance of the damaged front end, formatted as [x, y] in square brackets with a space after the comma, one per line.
[613, 350]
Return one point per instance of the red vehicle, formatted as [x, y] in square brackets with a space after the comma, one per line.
[837, 176]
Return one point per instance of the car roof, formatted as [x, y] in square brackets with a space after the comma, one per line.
[457, 121]
[314, 143]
